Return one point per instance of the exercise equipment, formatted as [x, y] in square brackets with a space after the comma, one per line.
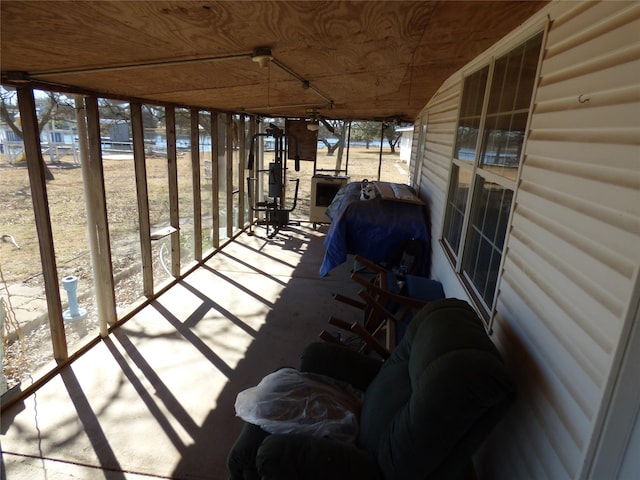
[276, 215]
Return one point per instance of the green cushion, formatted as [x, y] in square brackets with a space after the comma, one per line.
[297, 457]
[436, 397]
[341, 363]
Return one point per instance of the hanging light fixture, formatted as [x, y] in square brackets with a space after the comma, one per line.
[314, 125]
[262, 56]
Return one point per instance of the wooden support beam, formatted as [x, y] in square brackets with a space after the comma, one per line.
[195, 175]
[105, 293]
[252, 174]
[380, 151]
[215, 180]
[36, 170]
[140, 166]
[229, 174]
[242, 155]
[172, 166]
[83, 144]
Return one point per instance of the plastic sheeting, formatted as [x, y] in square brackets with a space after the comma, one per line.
[289, 401]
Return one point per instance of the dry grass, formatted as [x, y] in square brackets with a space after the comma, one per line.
[68, 215]
[68, 221]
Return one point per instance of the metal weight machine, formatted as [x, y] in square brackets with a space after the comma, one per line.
[276, 216]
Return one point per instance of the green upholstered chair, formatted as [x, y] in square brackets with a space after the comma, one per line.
[426, 409]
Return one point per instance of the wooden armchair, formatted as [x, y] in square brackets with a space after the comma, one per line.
[388, 303]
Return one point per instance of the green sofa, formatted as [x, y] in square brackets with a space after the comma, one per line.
[426, 409]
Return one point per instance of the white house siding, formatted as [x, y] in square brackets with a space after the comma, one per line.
[573, 250]
[416, 155]
[442, 117]
[442, 114]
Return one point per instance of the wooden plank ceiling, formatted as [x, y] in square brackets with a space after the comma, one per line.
[361, 59]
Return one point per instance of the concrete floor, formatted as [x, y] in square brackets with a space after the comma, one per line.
[156, 398]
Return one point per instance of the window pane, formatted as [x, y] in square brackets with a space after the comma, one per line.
[508, 108]
[505, 82]
[467, 139]
[473, 94]
[487, 229]
[470, 113]
[456, 203]
[504, 136]
[528, 72]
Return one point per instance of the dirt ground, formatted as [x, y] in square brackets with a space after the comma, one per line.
[27, 343]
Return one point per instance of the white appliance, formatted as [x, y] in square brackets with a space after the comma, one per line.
[323, 189]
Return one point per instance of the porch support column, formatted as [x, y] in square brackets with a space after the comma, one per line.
[215, 179]
[195, 179]
[229, 174]
[99, 226]
[242, 145]
[35, 166]
[142, 193]
[172, 165]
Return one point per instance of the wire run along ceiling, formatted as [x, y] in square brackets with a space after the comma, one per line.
[344, 59]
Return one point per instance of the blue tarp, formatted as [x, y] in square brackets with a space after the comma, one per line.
[371, 228]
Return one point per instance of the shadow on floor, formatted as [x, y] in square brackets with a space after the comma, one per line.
[156, 398]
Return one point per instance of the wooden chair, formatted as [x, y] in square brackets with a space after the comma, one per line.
[388, 302]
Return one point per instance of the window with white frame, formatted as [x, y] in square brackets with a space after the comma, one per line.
[494, 111]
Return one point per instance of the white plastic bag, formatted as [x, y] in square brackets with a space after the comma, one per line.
[289, 401]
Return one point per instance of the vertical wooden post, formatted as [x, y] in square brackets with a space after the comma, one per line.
[105, 294]
[241, 171]
[142, 193]
[215, 179]
[229, 175]
[346, 165]
[172, 165]
[253, 173]
[195, 175]
[343, 135]
[382, 125]
[81, 119]
[3, 379]
[36, 169]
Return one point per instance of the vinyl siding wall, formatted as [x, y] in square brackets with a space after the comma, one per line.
[573, 247]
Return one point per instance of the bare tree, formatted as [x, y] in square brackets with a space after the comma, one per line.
[335, 128]
[49, 107]
[366, 132]
[369, 131]
[393, 137]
